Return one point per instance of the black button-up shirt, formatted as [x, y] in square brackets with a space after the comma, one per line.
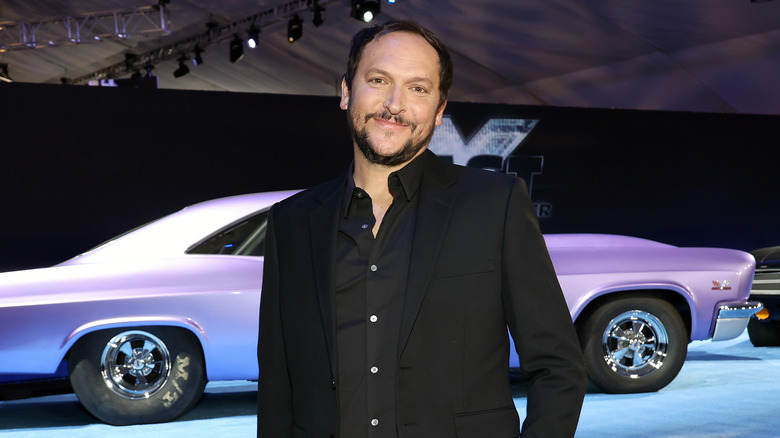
[370, 282]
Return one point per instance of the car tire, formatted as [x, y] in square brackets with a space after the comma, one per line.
[763, 333]
[633, 344]
[133, 376]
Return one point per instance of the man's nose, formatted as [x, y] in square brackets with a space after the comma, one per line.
[394, 101]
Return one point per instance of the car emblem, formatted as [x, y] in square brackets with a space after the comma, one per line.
[716, 285]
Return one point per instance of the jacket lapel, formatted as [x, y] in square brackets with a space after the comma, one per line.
[323, 227]
[437, 199]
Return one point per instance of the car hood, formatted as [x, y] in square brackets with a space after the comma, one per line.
[597, 253]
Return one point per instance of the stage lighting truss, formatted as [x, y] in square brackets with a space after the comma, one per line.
[89, 28]
[215, 34]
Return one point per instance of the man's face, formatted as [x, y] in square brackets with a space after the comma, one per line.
[393, 106]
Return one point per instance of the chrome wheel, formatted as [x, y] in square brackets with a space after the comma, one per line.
[635, 344]
[135, 364]
[137, 375]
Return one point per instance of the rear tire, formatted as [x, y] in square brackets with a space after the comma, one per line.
[133, 376]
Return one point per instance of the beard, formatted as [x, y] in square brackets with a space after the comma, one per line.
[360, 135]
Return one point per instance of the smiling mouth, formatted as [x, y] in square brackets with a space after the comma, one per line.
[387, 119]
[390, 123]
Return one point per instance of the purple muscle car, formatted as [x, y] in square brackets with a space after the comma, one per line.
[142, 322]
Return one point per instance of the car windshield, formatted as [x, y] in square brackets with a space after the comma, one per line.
[243, 237]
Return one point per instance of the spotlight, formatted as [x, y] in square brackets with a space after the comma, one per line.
[183, 69]
[236, 49]
[365, 11]
[4, 73]
[317, 14]
[252, 34]
[196, 58]
[294, 28]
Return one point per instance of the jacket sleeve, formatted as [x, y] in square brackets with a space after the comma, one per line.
[540, 324]
[274, 399]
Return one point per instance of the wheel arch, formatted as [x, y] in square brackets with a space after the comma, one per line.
[134, 323]
[676, 298]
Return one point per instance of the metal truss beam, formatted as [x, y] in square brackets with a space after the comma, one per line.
[93, 27]
[214, 35]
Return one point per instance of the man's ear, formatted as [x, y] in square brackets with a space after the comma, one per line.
[344, 104]
[440, 113]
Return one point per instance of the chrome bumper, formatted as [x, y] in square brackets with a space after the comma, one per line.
[733, 318]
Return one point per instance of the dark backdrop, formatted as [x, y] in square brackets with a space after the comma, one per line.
[82, 164]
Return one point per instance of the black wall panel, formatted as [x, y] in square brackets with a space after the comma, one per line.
[79, 165]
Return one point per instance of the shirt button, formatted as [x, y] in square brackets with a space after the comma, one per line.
[373, 268]
[374, 370]
[375, 422]
[373, 318]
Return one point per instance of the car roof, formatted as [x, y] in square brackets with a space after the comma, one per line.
[171, 235]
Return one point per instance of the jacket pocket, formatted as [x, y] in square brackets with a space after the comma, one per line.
[456, 270]
[499, 423]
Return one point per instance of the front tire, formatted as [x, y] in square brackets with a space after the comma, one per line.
[634, 344]
[144, 375]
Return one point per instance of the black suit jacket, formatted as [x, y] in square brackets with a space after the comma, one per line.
[478, 265]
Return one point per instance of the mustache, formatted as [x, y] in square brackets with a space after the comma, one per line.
[386, 115]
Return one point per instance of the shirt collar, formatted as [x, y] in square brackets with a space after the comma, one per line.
[407, 178]
[410, 175]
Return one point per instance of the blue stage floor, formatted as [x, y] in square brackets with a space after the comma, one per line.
[726, 389]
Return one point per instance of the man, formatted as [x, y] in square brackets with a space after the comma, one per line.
[387, 293]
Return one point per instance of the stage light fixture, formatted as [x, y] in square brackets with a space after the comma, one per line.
[318, 10]
[365, 11]
[183, 69]
[236, 49]
[252, 35]
[294, 28]
[196, 58]
[4, 73]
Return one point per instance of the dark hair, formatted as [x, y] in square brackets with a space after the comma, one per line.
[368, 34]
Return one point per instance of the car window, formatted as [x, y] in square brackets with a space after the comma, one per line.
[244, 237]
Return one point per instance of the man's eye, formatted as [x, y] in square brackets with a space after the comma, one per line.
[376, 81]
[419, 90]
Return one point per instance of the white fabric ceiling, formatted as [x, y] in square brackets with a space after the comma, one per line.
[682, 55]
